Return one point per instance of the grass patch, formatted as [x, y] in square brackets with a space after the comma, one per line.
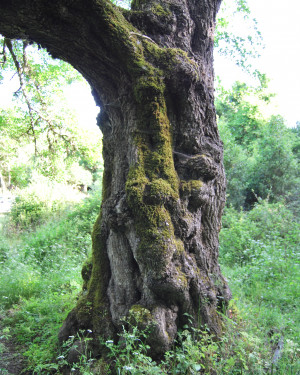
[260, 256]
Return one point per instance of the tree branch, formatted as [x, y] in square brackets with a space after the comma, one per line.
[20, 72]
[60, 26]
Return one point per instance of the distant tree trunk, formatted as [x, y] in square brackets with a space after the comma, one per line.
[2, 184]
[155, 243]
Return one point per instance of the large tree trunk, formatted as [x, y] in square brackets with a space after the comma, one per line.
[155, 243]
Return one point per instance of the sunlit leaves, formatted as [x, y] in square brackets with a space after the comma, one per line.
[242, 44]
[122, 3]
[258, 148]
[41, 121]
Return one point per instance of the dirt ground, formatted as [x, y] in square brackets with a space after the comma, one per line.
[11, 361]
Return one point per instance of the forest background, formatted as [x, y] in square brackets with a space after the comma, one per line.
[50, 170]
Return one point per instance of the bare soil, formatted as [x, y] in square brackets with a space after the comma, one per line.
[12, 361]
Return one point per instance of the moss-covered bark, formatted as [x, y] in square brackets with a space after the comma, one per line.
[155, 243]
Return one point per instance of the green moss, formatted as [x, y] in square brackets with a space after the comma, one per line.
[139, 315]
[152, 182]
[156, 232]
[101, 269]
[181, 278]
[135, 185]
[149, 87]
[158, 10]
[93, 302]
[187, 187]
[170, 59]
[86, 272]
[153, 223]
[84, 311]
[134, 55]
[161, 192]
[179, 246]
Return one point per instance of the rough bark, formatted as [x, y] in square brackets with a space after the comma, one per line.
[155, 243]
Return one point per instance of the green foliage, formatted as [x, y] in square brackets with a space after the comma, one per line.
[247, 236]
[260, 153]
[238, 166]
[40, 277]
[37, 322]
[275, 171]
[196, 351]
[58, 247]
[242, 46]
[40, 132]
[42, 274]
[38, 201]
[296, 140]
[4, 249]
[122, 3]
[130, 354]
[259, 251]
[241, 113]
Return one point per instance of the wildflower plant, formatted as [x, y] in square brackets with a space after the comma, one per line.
[130, 353]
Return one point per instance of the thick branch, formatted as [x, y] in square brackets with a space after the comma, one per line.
[77, 31]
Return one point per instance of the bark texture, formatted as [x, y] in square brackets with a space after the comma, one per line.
[155, 243]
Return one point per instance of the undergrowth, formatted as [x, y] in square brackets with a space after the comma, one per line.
[40, 201]
[40, 279]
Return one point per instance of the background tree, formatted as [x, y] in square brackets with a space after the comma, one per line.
[40, 132]
[242, 45]
[260, 151]
[164, 187]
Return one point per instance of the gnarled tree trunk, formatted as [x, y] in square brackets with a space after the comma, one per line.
[155, 243]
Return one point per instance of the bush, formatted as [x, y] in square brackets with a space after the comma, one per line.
[245, 235]
[38, 202]
[275, 171]
[4, 249]
[57, 248]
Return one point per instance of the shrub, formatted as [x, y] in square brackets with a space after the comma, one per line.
[35, 204]
[4, 249]
[245, 235]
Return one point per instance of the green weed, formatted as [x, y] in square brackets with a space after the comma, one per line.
[130, 353]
